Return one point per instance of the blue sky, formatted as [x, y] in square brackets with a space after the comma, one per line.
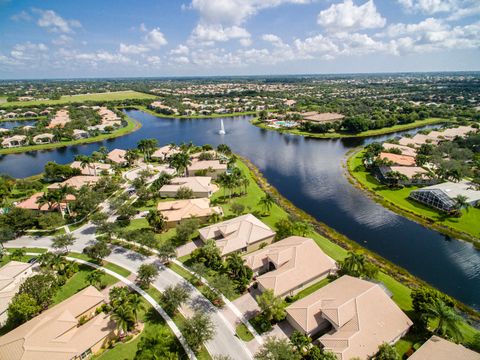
[107, 38]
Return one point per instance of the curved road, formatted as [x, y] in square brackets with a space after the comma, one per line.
[225, 341]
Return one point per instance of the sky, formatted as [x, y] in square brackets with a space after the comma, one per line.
[131, 38]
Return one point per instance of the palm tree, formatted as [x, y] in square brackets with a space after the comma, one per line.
[461, 202]
[131, 156]
[85, 161]
[353, 264]
[123, 316]
[146, 146]
[17, 254]
[180, 161]
[95, 277]
[45, 199]
[135, 301]
[448, 319]
[266, 203]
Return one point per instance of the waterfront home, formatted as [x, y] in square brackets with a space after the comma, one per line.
[211, 168]
[314, 116]
[14, 141]
[414, 175]
[417, 141]
[404, 150]
[442, 196]
[441, 349]
[165, 152]
[76, 182]
[289, 265]
[44, 112]
[358, 316]
[80, 134]
[10, 115]
[28, 128]
[45, 138]
[32, 203]
[396, 159]
[244, 233]
[4, 130]
[69, 330]
[60, 119]
[176, 211]
[200, 185]
[117, 156]
[30, 114]
[12, 276]
[461, 131]
[92, 168]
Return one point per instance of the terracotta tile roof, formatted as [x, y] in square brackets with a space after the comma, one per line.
[184, 209]
[440, 349]
[398, 159]
[297, 260]
[117, 156]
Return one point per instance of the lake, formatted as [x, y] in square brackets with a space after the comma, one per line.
[309, 173]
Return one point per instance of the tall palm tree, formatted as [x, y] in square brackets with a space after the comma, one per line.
[180, 161]
[85, 161]
[147, 146]
[448, 319]
[461, 202]
[45, 199]
[135, 301]
[266, 203]
[353, 264]
[124, 318]
[94, 277]
[131, 156]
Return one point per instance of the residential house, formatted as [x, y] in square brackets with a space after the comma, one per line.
[414, 175]
[32, 203]
[80, 134]
[244, 233]
[176, 211]
[400, 160]
[165, 152]
[358, 316]
[60, 119]
[440, 349]
[12, 276]
[404, 150]
[76, 182]
[29, 114]
[289, 265]
[211, 168]
[417, 140]
[14, 141]
[44, 138]
[117, 156]
[200, 185]
[69, 330]
[94, 169]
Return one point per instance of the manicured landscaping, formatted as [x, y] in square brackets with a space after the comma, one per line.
[147, 110]
[243, 333]
[78, 282]
[66, 99]
[115, 268]
[131, 126]
[375, 132]
[397, 199]
[312, 288]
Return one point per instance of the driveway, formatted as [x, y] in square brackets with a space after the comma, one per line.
[188, 248]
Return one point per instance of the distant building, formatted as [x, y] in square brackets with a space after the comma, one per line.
[289, 265]
[442, 196]
[243, 233]
[211, 168]
[76, 182]
[59, 333]
[414, 175]
[437, 348]
[404, 150]
[92, 169]
[80, 134]
[14, 141]
[12, 276]
[45, 138]
[117, 156]
[395, 159]
[358, 316]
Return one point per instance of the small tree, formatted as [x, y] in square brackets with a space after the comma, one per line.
[97, 251]
[17, 254]
[22, 308]
[41, 287]
[124, 318]
[186, 229]
[223, 285]
[63, 241]
[173, 297]
[197, 330]
[184, 192]
[166, 251]
[387, 352]
[266, 203]
[209, 255]
[146, 274]
[273, 307]
[6, 234]
[238, 208]
[156, 220]
[95, 277]
[277, 349]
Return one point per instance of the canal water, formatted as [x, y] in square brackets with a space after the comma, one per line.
[309, 173]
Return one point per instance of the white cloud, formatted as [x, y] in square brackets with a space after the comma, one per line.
[53, 22]
[62, 40]
[180, 50]
[154, 60]
[214, 33]
[133, 49]
[143, 28]
[21, 16]
[155, 39]
[456, 9]
[318, 44]
[28, 51]
[348, 16]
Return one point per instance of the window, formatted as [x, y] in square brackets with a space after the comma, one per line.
[86, 354]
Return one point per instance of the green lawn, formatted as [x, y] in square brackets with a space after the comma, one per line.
[115, 268]
[243, 333]
[375, 132]
[78, 282]
[131, 126]
[468, 223]
[312, 288]
[111, 96]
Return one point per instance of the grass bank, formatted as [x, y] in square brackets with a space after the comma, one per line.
[376, 132]
[71, 99]
[466, 227]
[132, 125]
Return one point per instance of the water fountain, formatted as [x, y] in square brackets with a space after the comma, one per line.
[222, 128]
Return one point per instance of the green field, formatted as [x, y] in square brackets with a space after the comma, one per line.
[468, 223]
[110, 96]
[376, 132]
